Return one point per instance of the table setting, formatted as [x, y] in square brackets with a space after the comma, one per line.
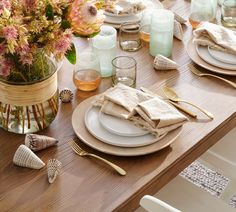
[143, 83]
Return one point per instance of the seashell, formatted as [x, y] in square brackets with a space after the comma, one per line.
[178, 31]
[66, 95]
[53, 169]
[26, 158]
[164, 63]
[38, 142]
[180, 19]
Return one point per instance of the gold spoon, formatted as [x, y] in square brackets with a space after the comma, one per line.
[172, 95]
[200, 74]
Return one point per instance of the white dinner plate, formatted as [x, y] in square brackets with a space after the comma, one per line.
[80, 130]
[192, 53]
[223, 56]
[95, 128]
[205, 55]
[122, 19]
[120, 5]
[115, 21]
[120, 127]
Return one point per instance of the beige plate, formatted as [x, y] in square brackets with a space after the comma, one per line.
[87, 138]
[192, 53]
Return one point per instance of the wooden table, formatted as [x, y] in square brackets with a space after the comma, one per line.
[88, 185]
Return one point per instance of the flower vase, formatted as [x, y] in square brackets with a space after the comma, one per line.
[29, 96]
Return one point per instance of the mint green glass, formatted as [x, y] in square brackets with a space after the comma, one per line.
[161, 32]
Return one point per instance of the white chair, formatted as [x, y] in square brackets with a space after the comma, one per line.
[183, 196]
[151, 203]
[222, 158]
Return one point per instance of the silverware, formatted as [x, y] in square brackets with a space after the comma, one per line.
[145, 90]
[79, 151]
[200, 74]
[172, 95]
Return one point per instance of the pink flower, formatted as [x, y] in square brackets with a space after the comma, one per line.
[29, 4]
[84, 17]
[4, 4]
[5, 68]
[26, 59]
[10, 32]
[62, 45]
[2, 49]
[21, 50]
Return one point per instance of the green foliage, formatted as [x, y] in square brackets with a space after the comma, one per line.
[87, 36]
[65, 24]
[49, 12]
[71, 55]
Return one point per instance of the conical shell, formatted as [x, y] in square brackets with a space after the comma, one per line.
[178, 30]
[53, 169]
[38, 142]
[164, 63]
[26, 158]
[180, 19]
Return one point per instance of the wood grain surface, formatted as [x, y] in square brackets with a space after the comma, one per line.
[86, 184]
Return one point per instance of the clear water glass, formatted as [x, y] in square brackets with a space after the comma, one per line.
[228, 13]
[124, 71]
[129, 36]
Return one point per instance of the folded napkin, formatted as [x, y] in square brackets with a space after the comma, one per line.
[216, 37]
[145, 111]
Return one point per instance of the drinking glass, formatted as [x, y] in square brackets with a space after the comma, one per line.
[202, 10]
[145, 33]
[228, 13]
[104, 46]
[87, 75]
[129, 37]
[146, 25]
[124, 70]
[161, 33]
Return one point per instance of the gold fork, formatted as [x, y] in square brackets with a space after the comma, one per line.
[79, 151]
[200, 74]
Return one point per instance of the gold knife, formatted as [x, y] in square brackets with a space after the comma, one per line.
[145, 90]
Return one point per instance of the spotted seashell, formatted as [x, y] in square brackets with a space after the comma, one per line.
[53, 169]
[178, 30]
[39, 142]
[66, 95]
[163, 63]
[26, 158]
[180, 19]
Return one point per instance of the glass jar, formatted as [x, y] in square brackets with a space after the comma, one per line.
[202, 10]
[228, 13]
[87, 75]
[29, 97]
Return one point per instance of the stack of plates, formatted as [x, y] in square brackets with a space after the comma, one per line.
[115, 136]
[213, 60]
[116, 20]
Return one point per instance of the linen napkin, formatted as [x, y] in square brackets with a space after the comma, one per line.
[145, 111]
[216, 37]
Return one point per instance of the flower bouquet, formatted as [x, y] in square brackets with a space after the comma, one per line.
[33, 34]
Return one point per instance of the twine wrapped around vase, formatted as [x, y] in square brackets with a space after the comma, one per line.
[25, 95]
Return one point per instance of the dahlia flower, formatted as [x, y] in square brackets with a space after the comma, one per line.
[84, 18]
